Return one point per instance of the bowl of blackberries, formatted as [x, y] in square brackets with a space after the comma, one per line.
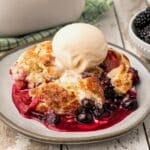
[139, 31]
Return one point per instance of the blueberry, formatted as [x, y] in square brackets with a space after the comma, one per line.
[118, 98]
[135, 76]
[109, 92]
[53, 118]
[81, 110]
[98, 112]
[117, 101]
[84, 117]
[109, 106]
[130, 104]
[38, 115]
[87, 103]
[113, 107]
[132, 93]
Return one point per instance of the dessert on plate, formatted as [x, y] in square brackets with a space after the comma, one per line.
[74, 82]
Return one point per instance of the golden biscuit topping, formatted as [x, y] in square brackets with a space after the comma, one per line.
[36, 65]
[93, 88]
[120, 76]
[55, 98]
[65, 94]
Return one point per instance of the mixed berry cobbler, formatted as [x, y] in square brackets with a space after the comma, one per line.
[66, 101]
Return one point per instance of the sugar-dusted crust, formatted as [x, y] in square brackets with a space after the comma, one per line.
[121, 77]
[93, 87]
[36, 65]
[65, 97]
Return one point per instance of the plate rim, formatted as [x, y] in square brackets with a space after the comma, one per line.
[61, 140]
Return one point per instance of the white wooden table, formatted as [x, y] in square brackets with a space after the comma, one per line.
[114, 24]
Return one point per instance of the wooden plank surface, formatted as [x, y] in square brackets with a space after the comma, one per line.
[12, 140]
[135, 140]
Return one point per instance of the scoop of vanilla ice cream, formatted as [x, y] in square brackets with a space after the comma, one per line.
[79, 47]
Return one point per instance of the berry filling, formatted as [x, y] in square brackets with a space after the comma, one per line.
[112, 61]
[88, 117]
[90, 114]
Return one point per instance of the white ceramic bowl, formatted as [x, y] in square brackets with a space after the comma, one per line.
[142, 46]
[21, 17]
[37, 131]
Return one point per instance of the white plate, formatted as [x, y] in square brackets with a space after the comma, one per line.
[37, 131]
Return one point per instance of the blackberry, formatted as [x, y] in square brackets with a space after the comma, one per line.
[141, 20]
[135, 76]
[148, 9]
[144, 34]
[98, 111]
[109, 106]
[147, 32]
[81, 110]
[38, 115]
[84, 117]
[53, 118]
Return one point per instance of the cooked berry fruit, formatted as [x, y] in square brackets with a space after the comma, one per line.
[53, 118]
[98, 112]
[119, 96]
[39, 115]
[87, 103]
[113, 107]
[141, 33]
[135, 76]
[109, 106]
[117, 101]
[109, 92]
[130, 104]
[146, 30]
[84, 117]
[132, 94]
[81, 110]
